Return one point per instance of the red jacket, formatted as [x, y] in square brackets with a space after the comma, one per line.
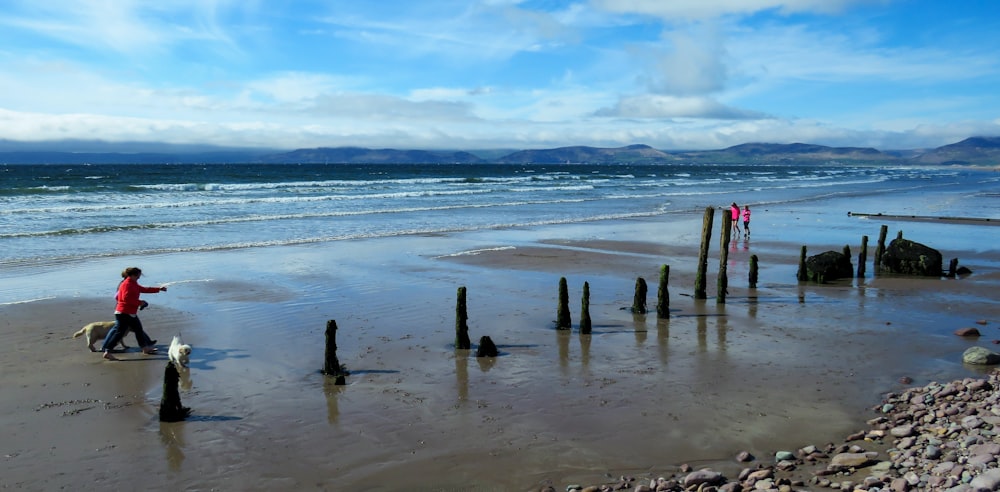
[128, 295]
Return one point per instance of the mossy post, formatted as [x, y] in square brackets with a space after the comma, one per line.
[663, 294]
[462, 322]
[880, 248]
[722, 282]
[753, 271]
[700, 280]
[639, 300]
[803, 275]
[331, 366]
[585, 310]
[863, 257]
[563, 319]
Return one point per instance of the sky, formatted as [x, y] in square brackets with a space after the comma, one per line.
[500, 74]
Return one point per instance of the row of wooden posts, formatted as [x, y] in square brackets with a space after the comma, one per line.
[332, 366]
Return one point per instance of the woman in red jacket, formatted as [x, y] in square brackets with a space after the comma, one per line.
[126, 309]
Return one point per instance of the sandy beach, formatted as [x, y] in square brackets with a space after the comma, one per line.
[774, 368]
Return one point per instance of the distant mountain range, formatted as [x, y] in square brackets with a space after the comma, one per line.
[971, 151]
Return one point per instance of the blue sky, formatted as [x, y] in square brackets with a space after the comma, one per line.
[478, 74]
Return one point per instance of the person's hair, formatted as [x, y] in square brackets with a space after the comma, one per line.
[131, 271]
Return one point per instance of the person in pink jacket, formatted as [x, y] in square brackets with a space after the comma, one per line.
[746, 221]
[127, 307]
[734, 209]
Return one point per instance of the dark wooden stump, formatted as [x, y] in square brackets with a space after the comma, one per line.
[722, 282]
[563, 319]
[880, 249]
[486, 347]
[331, 365]
[639, 299]
[701, 279]
[663, 294]
[461, 322]
[585, 324]
[803, 274]
[753, 272]
[171, 409]
[863, 257]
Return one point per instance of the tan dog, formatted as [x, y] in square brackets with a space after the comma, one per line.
[98, 330]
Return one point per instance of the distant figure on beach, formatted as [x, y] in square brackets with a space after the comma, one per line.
[746, 221]
[734, 209]
[127, 305]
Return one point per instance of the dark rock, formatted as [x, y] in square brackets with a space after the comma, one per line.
[831, 265]
[905, 257]
[981, 356]
[967, 332]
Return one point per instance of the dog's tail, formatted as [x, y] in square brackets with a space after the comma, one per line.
[80, 333]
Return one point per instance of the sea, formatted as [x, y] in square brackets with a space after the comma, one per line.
[55, 213]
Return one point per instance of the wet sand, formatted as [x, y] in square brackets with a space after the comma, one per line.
[775, 368]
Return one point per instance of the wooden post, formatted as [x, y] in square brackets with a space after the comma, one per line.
[953, 268]
[880, 249]
[461, 322]
[563, 319]
[700, 281]
[899, 235]
[171, 409]
[803, 275]
[639, 300]
[331, 366]
[863, 257]
[486, 347]
[585, 310]
[722, 282]
[753, 271]
[663, 294]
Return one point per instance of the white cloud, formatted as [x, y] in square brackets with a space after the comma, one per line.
[655, 106]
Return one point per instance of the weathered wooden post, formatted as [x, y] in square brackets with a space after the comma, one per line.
[171, 409]
[486, 347]
[803, 275]
[700, 280]
[331, 366]
[663, 294]
[563, 319]
[899, 236]
[953, 268]
[880, 249]
[461, 322]
[753, 271]
[722, 281]
[585, 325]
[863, 257]
[639, 299]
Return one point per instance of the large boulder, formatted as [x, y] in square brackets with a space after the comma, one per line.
[980, 356]
[828, 266]
[906, 257]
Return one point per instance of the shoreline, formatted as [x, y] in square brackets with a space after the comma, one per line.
[771, 369]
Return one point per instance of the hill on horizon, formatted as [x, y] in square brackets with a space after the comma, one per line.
[971, 151]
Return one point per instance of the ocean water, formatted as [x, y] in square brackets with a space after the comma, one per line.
[56, 213]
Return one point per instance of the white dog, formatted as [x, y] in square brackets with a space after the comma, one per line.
[179, 353]
[98, 330]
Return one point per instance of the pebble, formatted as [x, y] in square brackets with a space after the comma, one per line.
[939, 437]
